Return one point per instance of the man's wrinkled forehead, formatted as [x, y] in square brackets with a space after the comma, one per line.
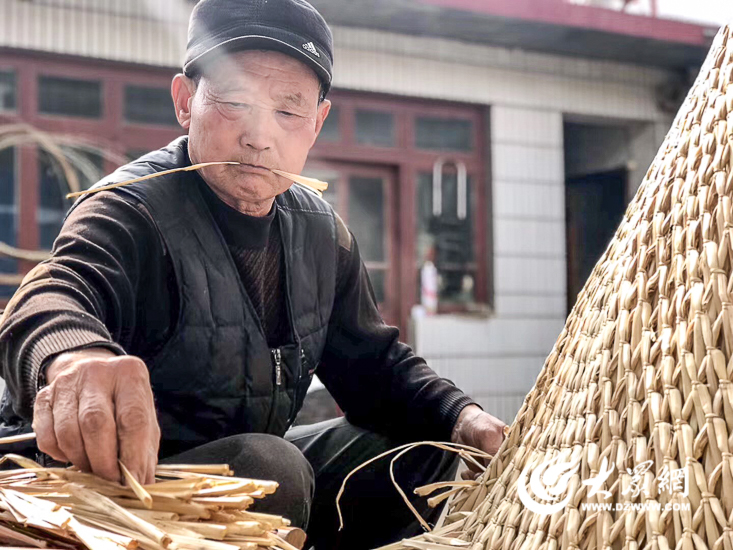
[236, 71]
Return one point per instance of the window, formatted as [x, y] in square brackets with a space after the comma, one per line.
[7, 91]
[8, 215]
[375, 128]
[446, 236]
[52, 201]
[69, 97]
[149, 106]
[443, 134]
[330, 130]
[367, 222]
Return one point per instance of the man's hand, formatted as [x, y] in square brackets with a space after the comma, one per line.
[99, 407]
[478, 429]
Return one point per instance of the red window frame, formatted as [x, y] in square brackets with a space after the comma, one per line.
[118, 135]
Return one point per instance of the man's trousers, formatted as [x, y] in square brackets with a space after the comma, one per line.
[310, 464]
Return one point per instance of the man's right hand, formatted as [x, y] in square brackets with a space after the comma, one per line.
[99, 407]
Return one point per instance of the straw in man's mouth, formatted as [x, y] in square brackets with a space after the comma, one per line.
[317, 185]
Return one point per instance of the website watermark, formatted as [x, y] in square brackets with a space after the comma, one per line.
[635, 506]
[550, 479]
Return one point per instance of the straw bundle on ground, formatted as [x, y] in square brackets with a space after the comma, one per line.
[634, 406]
[190, 507]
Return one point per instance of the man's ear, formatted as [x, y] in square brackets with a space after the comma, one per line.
[323, 109]
[182, 91]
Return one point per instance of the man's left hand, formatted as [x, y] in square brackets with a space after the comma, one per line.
[478, 429]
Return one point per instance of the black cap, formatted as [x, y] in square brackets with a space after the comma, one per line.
[293, 27]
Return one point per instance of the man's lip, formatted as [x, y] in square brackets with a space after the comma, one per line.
[257, 166]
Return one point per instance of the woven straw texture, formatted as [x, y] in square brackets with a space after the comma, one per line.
[640, 375]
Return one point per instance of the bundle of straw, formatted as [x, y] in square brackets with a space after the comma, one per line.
[634, 405]
[189, 507]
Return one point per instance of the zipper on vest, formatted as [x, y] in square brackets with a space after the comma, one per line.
[277, 362]
[277, 355]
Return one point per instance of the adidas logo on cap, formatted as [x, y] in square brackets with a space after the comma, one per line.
[309, 47]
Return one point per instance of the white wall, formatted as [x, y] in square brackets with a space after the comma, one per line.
[457, 71]
[132, 30]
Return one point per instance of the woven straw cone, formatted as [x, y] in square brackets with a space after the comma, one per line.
[642, 370]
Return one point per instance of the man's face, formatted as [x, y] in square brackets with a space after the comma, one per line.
[256, 107]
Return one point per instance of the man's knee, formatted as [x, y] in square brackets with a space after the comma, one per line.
[266, 456]
[263, 456]
[263, 453]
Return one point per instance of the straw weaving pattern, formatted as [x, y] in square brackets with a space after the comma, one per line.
[637, 390]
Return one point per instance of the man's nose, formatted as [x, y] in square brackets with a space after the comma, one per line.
[257, 134]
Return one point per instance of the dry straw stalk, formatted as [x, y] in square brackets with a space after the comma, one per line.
[186, 508]
[640, 377]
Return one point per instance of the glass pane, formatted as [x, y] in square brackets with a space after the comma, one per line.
[7, 91]
[329, 176]
[52, 201]
[447, 240]
[375, 128]
[330, 130]
[69, 97]
[366, 216]
[149, 105]
[376, 276]
[8, 213]
[7, 176]
[443, 134]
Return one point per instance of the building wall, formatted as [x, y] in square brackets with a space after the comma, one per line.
[495, 357]
[141, 31]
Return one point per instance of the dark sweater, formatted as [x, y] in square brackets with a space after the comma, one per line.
[110, 284]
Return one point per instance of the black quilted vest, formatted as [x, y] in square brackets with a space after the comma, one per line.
[216, 375]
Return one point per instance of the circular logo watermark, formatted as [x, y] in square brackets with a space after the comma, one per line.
[549, 481]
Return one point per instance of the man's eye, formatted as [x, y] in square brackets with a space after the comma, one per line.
[235, 104]
[287, 114]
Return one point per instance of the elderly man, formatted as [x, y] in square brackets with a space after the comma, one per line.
[182, 319]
